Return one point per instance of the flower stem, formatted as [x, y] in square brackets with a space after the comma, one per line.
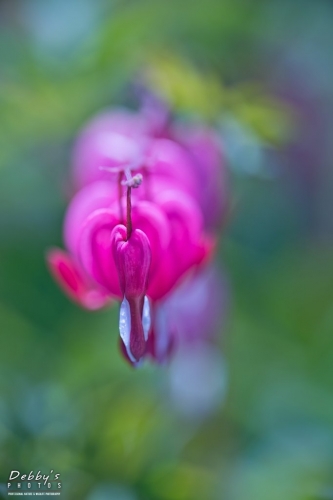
[129, 211]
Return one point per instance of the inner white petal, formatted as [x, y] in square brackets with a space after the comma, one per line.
[146, 319]
[125, 326]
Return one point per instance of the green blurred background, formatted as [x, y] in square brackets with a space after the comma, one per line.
[262, 72]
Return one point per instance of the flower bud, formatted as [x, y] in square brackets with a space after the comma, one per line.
[133, 258]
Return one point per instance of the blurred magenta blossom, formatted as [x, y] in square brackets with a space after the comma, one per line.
[150, 197]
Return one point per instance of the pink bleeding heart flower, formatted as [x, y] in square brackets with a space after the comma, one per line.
[139, 246]
[165, 221]
[132, 255]
[95, 244]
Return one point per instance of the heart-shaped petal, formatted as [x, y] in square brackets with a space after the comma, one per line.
[95, 250]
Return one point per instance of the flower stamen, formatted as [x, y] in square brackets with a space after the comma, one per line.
[132, 182]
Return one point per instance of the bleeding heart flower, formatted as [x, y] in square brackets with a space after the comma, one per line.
[132, 255]
[149, 199]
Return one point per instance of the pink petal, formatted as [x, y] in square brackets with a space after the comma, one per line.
[152, 220]
[71, 278]
[169, 160]
[188, 246]
[205, 150]
[112, 138]
[97, 195]
[95, 250]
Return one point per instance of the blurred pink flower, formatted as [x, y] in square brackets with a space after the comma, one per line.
[112, 138]
[137, 243]
[190, 157]
[204, 148]
[192, 313]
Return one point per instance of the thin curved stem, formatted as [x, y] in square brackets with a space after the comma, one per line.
[129, 213]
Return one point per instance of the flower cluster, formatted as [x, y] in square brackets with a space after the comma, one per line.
[150, 198]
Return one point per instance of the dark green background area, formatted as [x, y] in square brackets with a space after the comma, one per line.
[68, 401]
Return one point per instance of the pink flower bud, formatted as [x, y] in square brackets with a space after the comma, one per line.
[133, 258]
